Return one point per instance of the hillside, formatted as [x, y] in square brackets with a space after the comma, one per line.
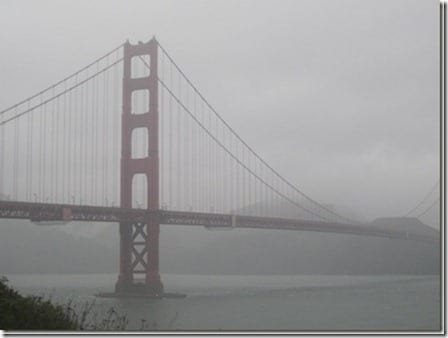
[406, 224]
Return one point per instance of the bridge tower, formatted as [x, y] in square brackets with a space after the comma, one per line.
[139, 241]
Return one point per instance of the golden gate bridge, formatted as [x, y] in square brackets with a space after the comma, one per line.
[180, 163]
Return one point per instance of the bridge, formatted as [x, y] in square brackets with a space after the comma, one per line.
[130, 139]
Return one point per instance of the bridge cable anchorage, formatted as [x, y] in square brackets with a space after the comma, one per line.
[290, 185]
[60, 94]
[428, 208]
[61, 81]
[233, 156]
[424, 199]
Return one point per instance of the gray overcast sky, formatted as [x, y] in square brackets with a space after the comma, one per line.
[340, 96]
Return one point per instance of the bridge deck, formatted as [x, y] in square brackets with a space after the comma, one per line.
[44, 212]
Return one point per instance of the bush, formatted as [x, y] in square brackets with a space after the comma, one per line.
[18, 312]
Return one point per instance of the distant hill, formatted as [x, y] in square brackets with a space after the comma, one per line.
[406, 224]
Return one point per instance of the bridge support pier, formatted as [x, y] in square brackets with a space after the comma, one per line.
[139, 259]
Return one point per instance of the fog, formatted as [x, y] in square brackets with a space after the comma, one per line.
[341, 97]
[93, 248]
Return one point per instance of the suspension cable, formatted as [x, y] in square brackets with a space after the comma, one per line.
[247, 146]
[63, 80]
[232, 155]
[61, 93]
[429, 208]
[424, 199]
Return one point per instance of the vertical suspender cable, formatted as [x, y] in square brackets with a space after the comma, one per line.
[56, 142]
[16, 158]
[52, 151]
[96, 130]
[71, 149]
[2, 161]
[170, 143]
[29, 153]
[179, 180]
[104, 128]
[64, 176]
[41, 150]
[186, 156]
[161, 135]
[194, 176]
[79, 110]
[92, 144]
[115, 120]
[87, 125]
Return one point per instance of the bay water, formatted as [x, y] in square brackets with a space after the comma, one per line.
[257, 303]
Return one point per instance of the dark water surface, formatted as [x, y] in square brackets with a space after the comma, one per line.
[259, 302]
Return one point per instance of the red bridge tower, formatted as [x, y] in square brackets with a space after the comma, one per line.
[139, 241]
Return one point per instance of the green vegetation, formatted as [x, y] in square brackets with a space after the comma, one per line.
[19, 313]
